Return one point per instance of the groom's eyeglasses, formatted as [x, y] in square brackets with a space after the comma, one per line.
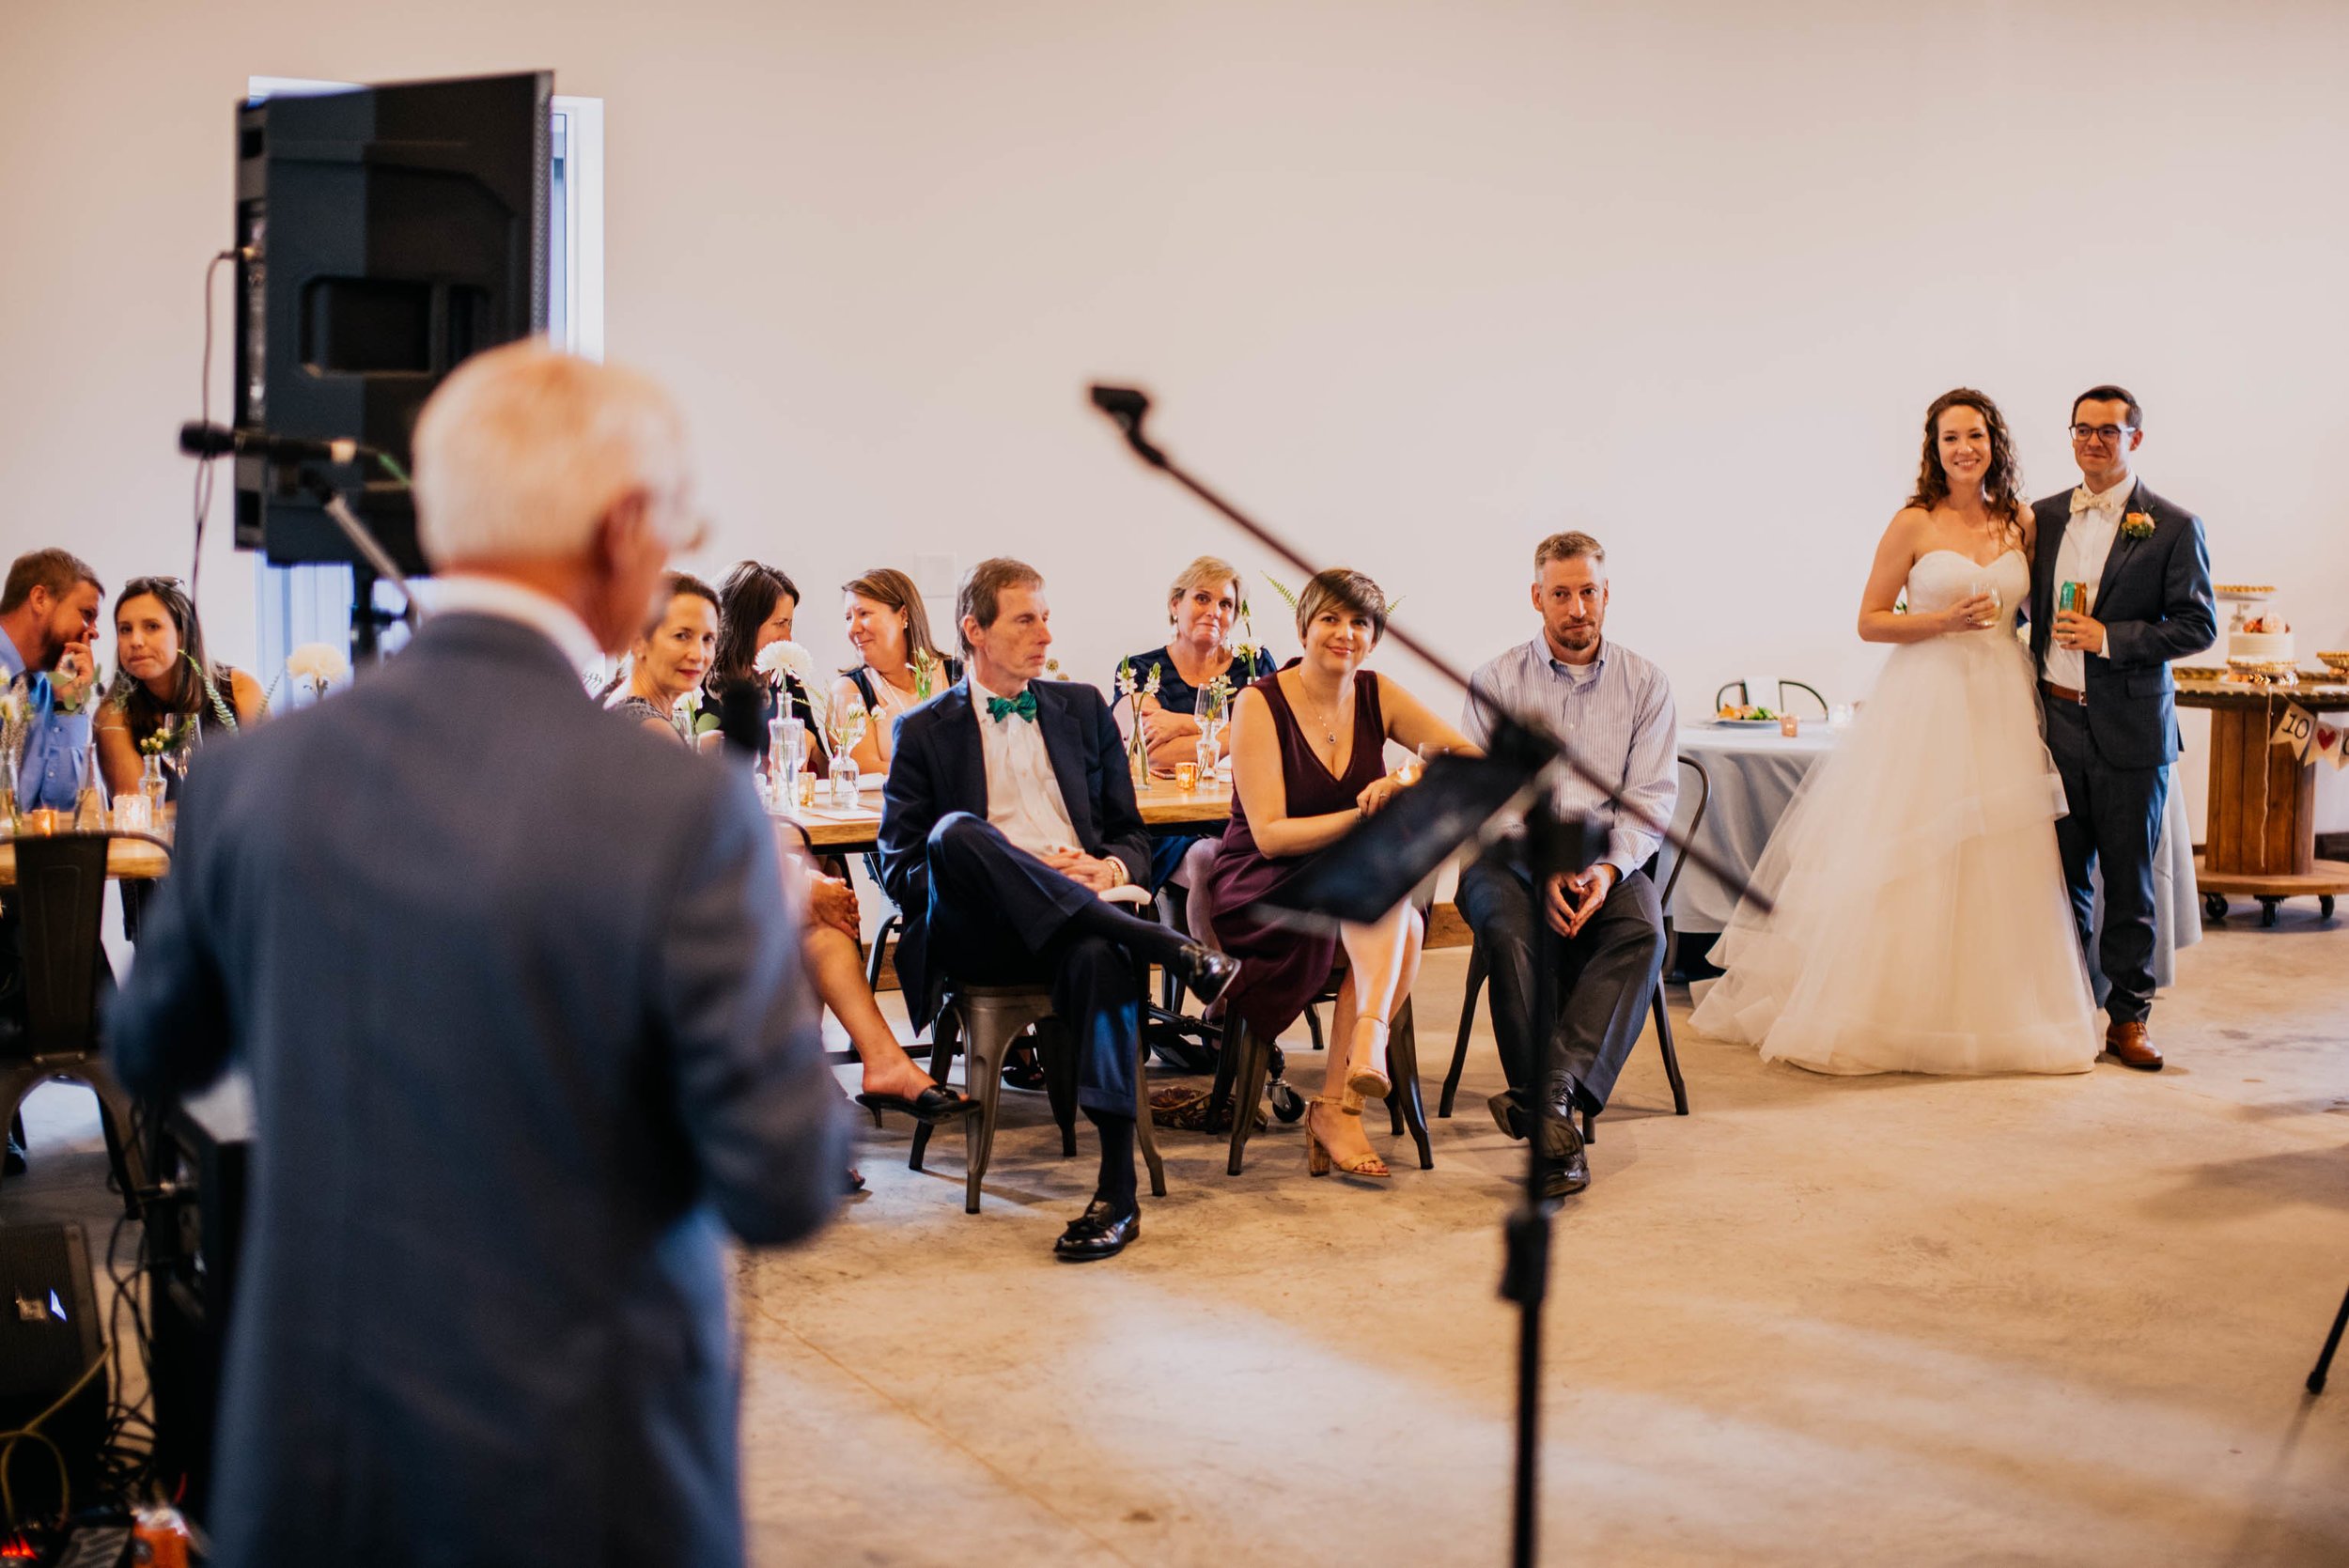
[2105, 433]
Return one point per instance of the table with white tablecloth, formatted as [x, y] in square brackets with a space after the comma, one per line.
[1754, 774]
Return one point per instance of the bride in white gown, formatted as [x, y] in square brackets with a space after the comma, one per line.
[1920, 924]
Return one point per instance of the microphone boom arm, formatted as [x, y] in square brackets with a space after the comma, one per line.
[1126, 406]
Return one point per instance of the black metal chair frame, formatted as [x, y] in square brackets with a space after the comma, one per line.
[1784, 687]
[60, 895]
[1479, 970]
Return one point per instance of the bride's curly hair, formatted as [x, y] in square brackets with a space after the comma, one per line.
[2001, 487]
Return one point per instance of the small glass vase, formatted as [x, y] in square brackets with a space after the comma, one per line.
[152, 783]
[844, 772]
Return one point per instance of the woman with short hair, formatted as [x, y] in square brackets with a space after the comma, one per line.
[1308, 764]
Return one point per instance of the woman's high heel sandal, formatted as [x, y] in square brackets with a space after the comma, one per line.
[1318, 1159]
[1366, 1063]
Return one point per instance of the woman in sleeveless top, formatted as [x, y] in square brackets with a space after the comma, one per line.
[165, 685]
[1920, 922]
[1308, 764]
[898, 665]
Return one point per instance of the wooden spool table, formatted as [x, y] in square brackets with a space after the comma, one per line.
[2259, 839]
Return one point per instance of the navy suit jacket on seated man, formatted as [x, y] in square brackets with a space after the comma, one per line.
[1009, 813]
[938, 767]
[519, 993]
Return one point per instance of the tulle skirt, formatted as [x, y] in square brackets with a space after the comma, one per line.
[1920, 923]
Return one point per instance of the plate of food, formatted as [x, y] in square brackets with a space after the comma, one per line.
[1745, 716]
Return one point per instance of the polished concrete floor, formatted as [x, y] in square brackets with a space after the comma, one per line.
[1818, 1320]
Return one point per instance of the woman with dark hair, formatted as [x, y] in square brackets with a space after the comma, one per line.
[898, 663]
[1919, 919]
[1309, 762]
[757, 608]
[167, 695]
[168, 698]
[668, 662]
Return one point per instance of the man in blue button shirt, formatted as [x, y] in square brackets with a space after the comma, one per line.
[48, 618]
[1615, 710]
[47, 621]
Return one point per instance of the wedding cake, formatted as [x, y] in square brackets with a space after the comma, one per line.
[2264, 639]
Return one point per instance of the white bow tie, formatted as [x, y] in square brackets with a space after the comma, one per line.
[2083, 501]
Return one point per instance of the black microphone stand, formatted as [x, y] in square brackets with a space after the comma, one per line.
[1553, 845]
[375, 564]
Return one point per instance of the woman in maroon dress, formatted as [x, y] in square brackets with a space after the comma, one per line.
[1309, 762]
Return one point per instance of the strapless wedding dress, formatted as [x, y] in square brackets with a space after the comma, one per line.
[1920, 922]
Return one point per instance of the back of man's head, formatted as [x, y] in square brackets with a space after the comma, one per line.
[525, 450]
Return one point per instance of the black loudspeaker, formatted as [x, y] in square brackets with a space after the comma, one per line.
[50, 1343]
[192, 1242]
[384, 234]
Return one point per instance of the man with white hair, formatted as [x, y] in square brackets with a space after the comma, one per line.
[521, 998]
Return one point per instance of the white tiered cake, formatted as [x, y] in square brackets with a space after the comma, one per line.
[2262, 639]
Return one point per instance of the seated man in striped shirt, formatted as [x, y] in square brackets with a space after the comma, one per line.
[1615, 709]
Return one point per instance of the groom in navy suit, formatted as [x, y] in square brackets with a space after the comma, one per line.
[1009, 811]
[2103, 669]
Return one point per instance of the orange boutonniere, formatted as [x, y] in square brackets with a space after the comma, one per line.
[2138, 525]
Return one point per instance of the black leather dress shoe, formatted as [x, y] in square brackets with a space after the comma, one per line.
[1100, 1231]
[1562, 1139]
[1205, 970]
[1569, 1176]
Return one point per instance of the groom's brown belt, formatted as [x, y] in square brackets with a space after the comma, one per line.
[2063, 693]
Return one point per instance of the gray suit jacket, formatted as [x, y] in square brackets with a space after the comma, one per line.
[2154, 598]
[521, 1001]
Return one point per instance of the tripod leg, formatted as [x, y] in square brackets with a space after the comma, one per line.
[2332, 1342]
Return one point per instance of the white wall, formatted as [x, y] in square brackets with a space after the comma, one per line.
[1419, 281]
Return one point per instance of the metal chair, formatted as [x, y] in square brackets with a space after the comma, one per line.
[982, 1021]
[60, 895]
[1687, 817]
[1784, 687]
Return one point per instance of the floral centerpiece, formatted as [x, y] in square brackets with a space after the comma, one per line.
[15, 717]
[315, 666]
[1133, 690]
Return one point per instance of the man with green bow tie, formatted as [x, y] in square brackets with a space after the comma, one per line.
[1009, 813]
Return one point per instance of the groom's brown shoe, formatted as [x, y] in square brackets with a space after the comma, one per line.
[2126, 1043]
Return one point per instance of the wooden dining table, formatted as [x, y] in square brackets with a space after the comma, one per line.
[128, 860]
[1165, 811]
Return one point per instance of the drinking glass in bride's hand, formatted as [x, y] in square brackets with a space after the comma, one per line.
[1982, 588]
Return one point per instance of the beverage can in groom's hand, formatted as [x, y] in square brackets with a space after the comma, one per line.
[2072, 595]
